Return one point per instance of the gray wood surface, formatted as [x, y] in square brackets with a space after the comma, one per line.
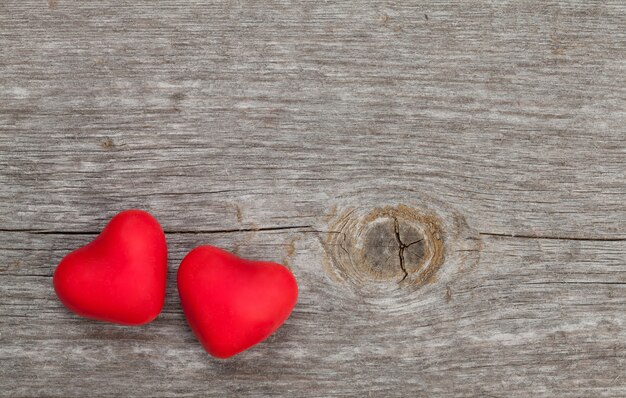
[495, 130]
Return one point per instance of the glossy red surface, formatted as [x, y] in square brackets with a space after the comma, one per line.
[120, 276]
[231, 303]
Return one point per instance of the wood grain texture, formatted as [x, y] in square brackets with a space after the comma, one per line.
[254, 125]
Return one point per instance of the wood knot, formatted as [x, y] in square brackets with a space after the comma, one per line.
[398, 245]
[107, 143]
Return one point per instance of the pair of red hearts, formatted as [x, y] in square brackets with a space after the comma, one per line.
[230, 303]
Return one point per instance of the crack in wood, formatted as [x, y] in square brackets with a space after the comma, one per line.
[173, 232]
[401, 247]
[548, 237]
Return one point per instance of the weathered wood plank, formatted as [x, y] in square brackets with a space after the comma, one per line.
[536, 317]
[258, 126]
[512, 113]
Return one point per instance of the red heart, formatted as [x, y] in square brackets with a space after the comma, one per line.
[230, 303]
[120, 276]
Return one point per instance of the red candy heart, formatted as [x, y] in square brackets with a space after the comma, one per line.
[231, 303]
[120, 276]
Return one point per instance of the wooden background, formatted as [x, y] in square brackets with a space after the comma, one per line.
[257, 125]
